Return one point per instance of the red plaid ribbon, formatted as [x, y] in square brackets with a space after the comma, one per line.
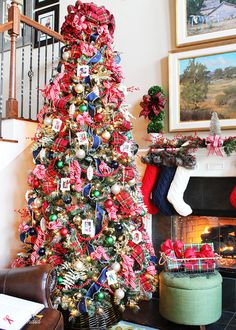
[60, 144]
[51, 174]
[129, 174]
[137, 253]
[126, 201]
[123, 124]
[62, 102]
[118, 139]
[146, 283]
[49, 186]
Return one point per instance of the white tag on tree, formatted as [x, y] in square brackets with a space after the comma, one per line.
[65, 184]
[90, 173]
[82, 71]
[127, 148]
[136, 236]
[72, 109]
[111, 277]
[56, 125]
[88, 227]
[43, 224]
[82, 138]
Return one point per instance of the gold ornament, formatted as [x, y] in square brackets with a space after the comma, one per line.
[74, 312]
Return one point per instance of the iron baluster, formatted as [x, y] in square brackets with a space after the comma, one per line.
[38, 73]
[31, 74]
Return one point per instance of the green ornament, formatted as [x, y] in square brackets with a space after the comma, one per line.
[109, 240]
[100, 295]
[53, 217]
[143, 213]
[83, 108]
[96, 193]
[129, 136]
[60, 164]
[59, 279]
[154, 90]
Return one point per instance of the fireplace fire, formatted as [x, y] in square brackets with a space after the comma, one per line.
[205, 229]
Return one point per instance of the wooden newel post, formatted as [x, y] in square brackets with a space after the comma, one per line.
[12, 103]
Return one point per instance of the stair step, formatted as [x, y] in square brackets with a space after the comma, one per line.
[7, 140]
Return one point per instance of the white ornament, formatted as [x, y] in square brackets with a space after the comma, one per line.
[80, 153]
[43, 224]
[78, 265]
[90, 173]
[132, 182]
[106, 135]
[37, 202]
[116, 267]
[119, 294]
[66, 56]
[79, 88]
[47, 121]
[115, 189]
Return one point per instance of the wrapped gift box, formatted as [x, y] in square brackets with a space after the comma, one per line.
[16, 312]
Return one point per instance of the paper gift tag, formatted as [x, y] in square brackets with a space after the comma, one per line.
[82, 138]
[127, 148]
[111, 277]
[65, 184]
[90, 173]
[136, 236]
[56, 125]
[82, 71]
[88, 227]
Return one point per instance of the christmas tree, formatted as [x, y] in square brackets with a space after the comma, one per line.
[85, 209]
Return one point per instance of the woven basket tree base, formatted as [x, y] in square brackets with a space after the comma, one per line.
[103, 321]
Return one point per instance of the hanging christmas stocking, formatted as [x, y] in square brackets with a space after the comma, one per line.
[177, 189]
[159, 194]
[148, 183]
[232, 197]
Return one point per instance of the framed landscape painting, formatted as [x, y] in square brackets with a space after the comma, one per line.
[202, 81]
[199, 21]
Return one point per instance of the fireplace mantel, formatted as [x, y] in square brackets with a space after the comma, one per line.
[214, 166]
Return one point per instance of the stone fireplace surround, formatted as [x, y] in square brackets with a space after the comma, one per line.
[207, 193]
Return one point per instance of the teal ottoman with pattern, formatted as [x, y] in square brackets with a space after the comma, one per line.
[191, 299]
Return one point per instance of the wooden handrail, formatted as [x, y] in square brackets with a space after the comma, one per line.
[6, 26]
[13, 28]
[42, 28]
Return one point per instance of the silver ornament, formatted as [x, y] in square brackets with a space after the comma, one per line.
[78, 265]
[79, 88]
[106, 135]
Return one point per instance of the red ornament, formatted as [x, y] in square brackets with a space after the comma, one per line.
[36, 183]
[108, 203]
[64, 231]
[98, 118]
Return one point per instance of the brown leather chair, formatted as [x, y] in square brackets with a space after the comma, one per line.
[34, 283]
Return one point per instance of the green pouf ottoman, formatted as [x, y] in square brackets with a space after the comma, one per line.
[191, 299]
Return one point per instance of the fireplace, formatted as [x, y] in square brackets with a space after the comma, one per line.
[213, 220]
[221, 231]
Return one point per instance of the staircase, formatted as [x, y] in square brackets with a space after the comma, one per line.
[20, 102]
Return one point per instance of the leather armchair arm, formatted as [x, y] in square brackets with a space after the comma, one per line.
[34, 283]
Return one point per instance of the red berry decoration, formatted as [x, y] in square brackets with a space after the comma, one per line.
[64, 231]
[98, 118]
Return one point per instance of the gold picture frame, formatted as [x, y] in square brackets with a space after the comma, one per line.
[202, 81]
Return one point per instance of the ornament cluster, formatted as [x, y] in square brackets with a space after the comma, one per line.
[85, 209]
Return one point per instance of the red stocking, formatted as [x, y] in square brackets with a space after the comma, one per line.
[148, 183]
[232, 197]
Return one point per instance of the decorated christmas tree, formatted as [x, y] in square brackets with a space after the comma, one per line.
[85, 209]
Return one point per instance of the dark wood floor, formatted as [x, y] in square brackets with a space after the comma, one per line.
[149, 316]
